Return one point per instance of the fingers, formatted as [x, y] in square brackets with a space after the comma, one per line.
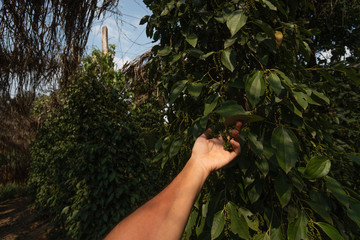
[236, 146]
[238, 126]
[236, 132]
[208, 133]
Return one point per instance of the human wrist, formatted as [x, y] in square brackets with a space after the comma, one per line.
[198, 166]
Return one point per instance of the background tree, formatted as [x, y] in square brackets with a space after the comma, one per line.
[41, 42]
[258, 61]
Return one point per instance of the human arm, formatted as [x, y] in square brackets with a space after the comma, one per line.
[165, 216]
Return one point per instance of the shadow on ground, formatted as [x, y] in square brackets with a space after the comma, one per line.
[18, 221]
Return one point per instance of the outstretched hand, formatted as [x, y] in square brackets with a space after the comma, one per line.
[210, 153]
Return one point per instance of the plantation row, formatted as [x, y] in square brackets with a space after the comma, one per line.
[108, 141]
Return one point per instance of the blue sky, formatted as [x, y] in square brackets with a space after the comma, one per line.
[124, 31]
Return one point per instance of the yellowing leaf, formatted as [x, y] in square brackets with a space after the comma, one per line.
[278, 38]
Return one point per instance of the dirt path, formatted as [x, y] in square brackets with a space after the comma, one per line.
[18, 221]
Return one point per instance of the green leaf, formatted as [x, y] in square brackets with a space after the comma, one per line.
[256, 146]
[353, 74]
[283, 189]
[263, 165]
[197, 53]
[318, 208]
[192, 39]
[337, 191]
[144, 19]
[238, 224]
[229, 42]
[319, 203]
[265, 27]
[228, 59]
[301, 99]
[195, 89]
[217, 225]
[65, 210]
[269, 5]
[297, 230]
[112, 176]
[275, 83]
[317, 167]
[158, 157]
[244, 118]
[175, 147]
[177, 88]
[319, 97]
[354, 158]
[354, 211]
[203, 57]
[306, 51]
[293, 108]
[251, 219]
[210, 104]
[297, 181]
[198, 126]
[285, 78]
[175, 58]
[261, 236]
[230, 108]
[190, 224]
[236, 21]
[164, 161]
[328, 77]
[286, 145]
[255, 87]
[255, 191]
[276, 234]
[206, 16]
[332, 232]
[164, 52]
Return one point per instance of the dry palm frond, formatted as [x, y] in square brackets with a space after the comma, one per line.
[142, 85]
[43, 40]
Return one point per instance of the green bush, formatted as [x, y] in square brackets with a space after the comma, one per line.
[88, 168]
[12, 190]
[255, 61]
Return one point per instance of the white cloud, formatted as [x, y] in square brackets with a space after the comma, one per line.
[119, 62]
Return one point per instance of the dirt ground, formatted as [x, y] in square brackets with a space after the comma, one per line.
[19, 221]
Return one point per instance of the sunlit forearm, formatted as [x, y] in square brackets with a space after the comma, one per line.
[164, 216]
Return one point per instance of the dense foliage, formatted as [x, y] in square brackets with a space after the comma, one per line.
[88, 169]
[258, 61]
